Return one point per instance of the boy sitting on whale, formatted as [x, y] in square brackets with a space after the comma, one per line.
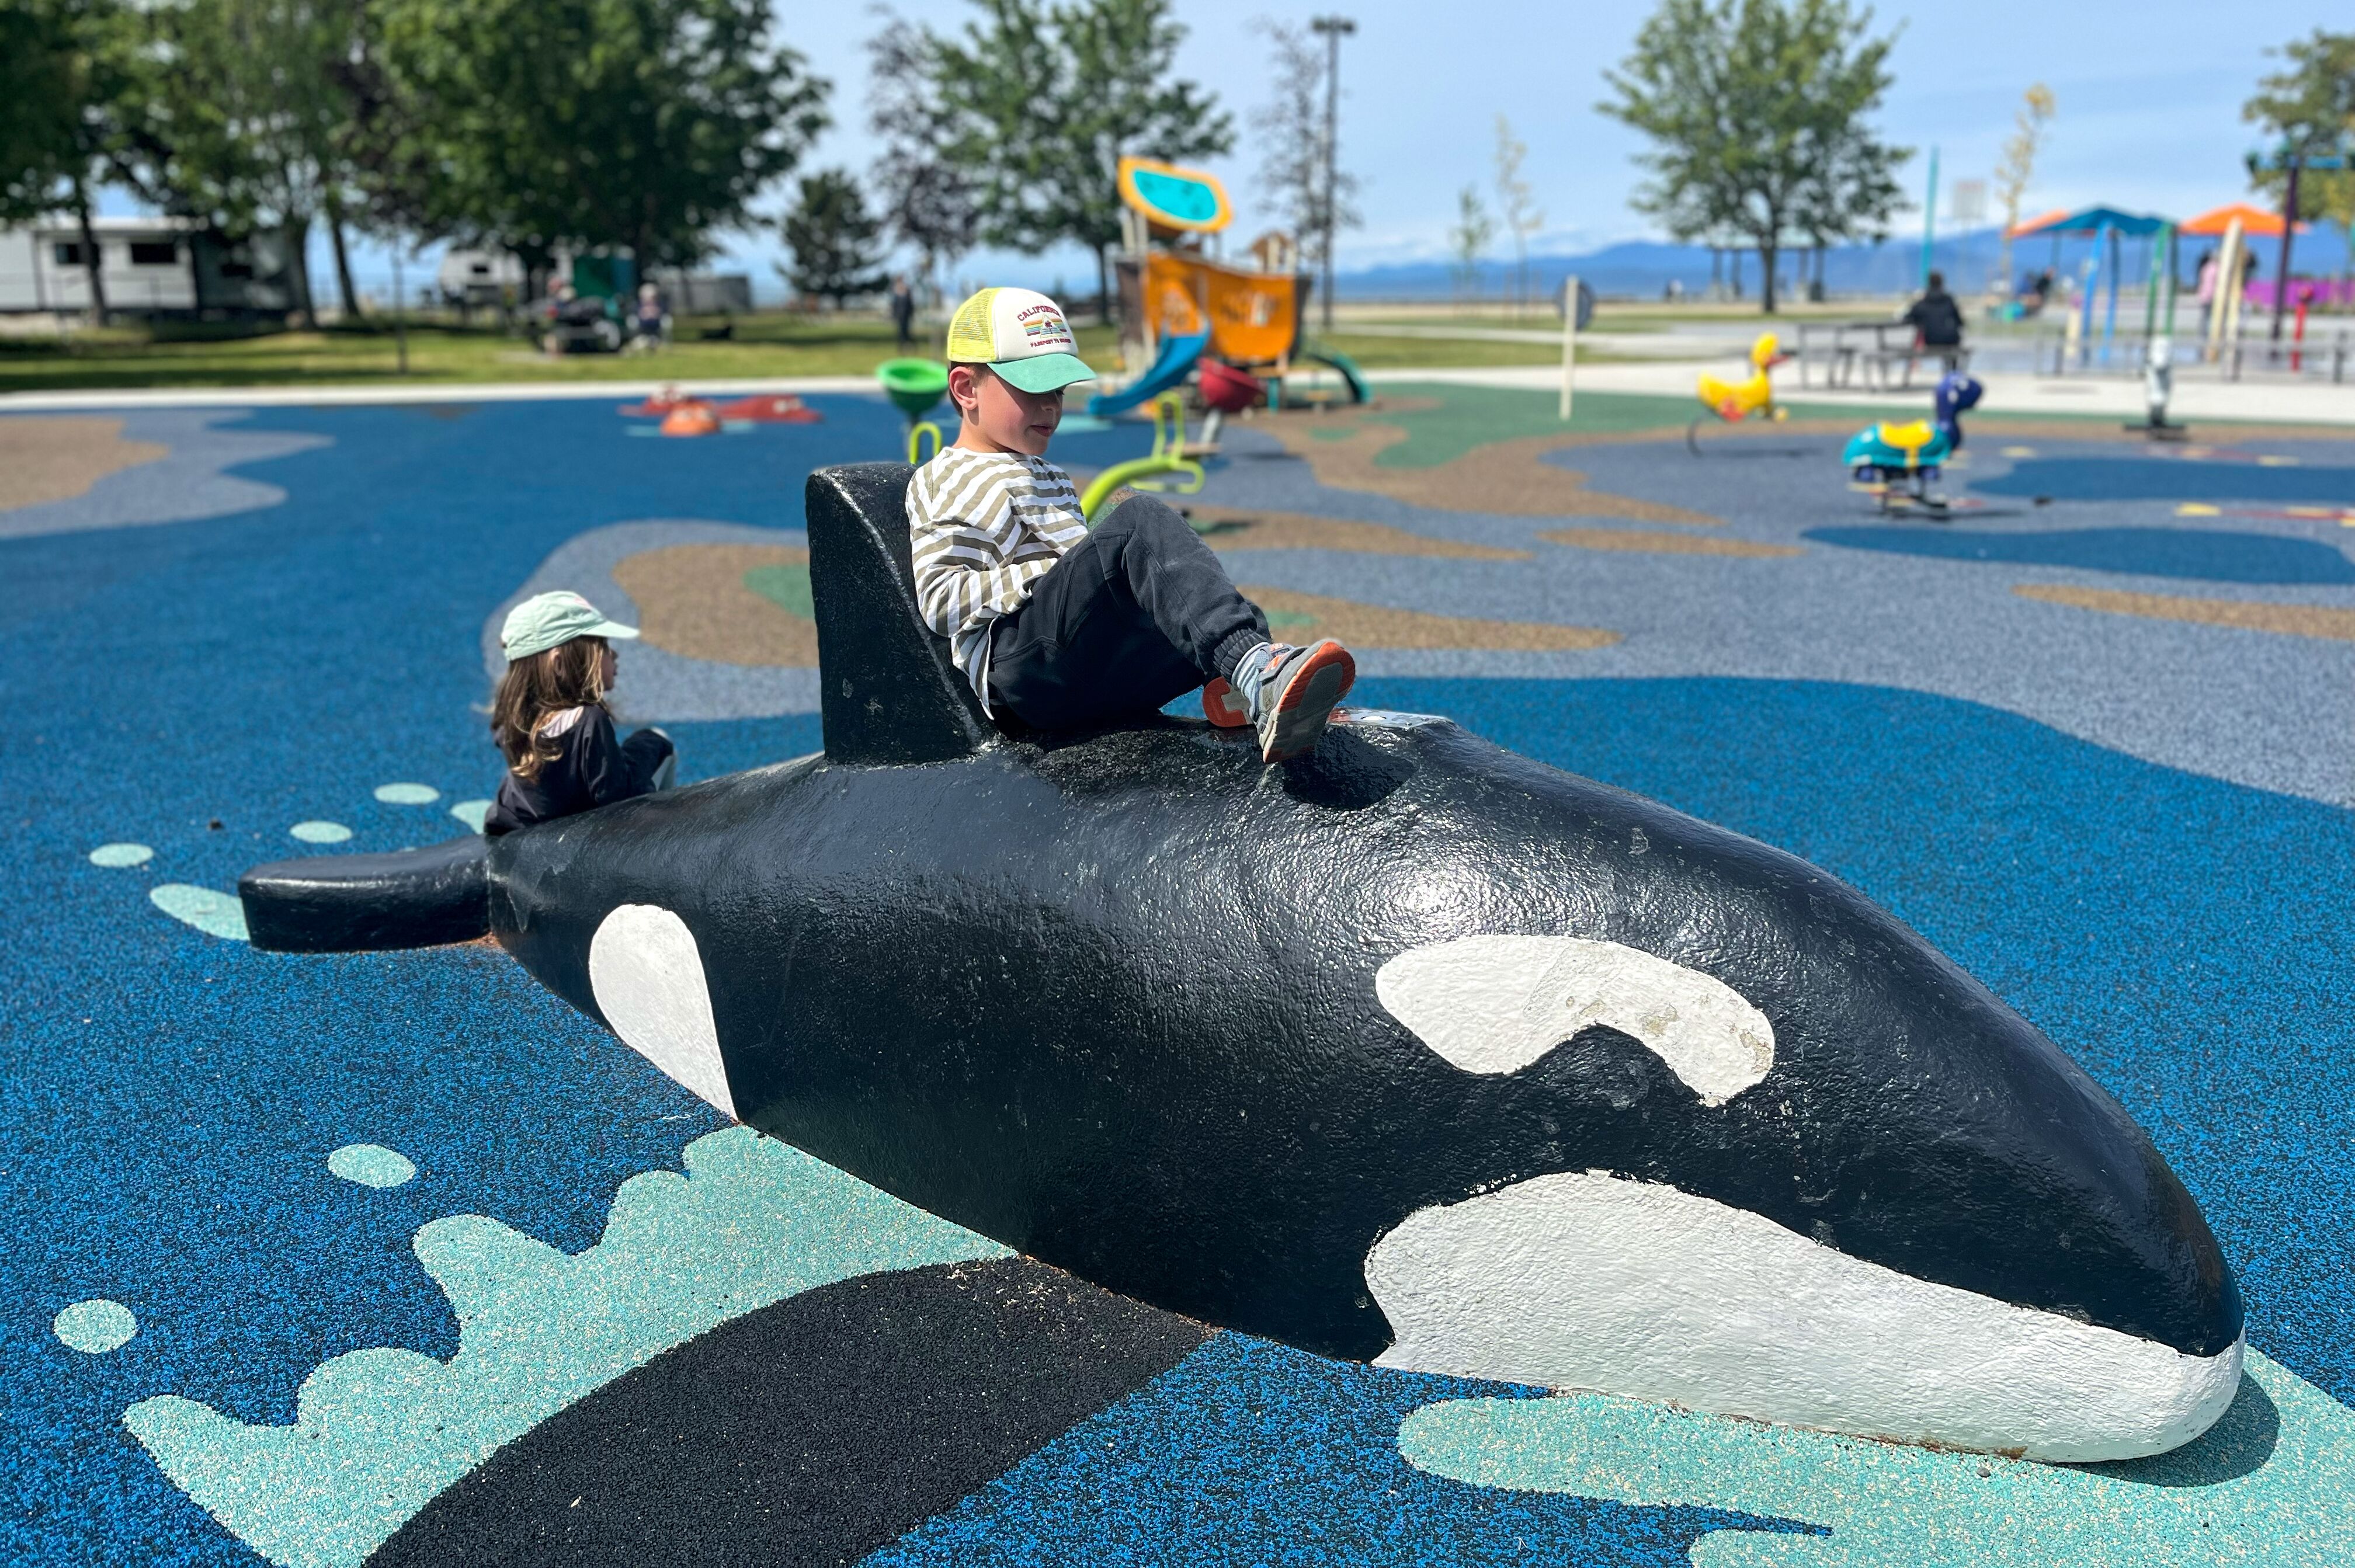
[1065, 626]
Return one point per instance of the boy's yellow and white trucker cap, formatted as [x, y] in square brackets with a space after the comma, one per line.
[1022, 334]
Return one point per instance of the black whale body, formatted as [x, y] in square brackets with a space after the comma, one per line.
[1113, 1003]
[1117, 1001]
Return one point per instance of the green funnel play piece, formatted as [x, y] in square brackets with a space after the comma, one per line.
[915, 385]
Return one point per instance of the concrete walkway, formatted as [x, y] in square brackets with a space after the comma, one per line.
[2294, 402]
[2288, 403]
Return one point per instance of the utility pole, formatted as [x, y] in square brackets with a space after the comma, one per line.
[1333, 29]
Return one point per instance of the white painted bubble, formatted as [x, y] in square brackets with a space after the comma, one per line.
[408, 793]
[471, 812]
[209, 910]
[371, 1164]
[95, 1326]
[320, 832]
[113, 855]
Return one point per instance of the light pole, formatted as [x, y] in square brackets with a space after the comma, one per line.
[1333, 29]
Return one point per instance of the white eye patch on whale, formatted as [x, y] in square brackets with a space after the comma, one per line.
[1497, 1003]
[1590, 1280]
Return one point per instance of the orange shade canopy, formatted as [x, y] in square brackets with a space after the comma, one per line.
[2253, 220]
[2041, 221]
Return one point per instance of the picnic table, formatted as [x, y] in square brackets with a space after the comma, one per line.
[1884, 351]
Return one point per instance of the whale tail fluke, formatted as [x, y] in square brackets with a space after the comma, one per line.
[370, 903]
[890, 693]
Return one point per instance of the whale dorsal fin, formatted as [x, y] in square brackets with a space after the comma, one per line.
[890, 691]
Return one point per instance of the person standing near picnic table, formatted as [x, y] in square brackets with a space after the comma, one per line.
[903, 311]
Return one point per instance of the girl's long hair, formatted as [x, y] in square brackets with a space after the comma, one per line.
[569, 674]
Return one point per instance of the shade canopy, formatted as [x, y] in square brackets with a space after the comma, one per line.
[2036, 225]
[2253, 220]
[2090, 220]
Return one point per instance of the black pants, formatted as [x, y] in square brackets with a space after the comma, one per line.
[1138, 612]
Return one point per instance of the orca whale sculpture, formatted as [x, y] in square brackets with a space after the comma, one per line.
[1414, 1051]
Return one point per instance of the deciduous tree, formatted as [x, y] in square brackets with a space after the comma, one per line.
[2309, 108]
[540, 124]
[1753, 106]
[2019, 164]
[1041, 101]
[1521, 219]
[75, 78]
[835, 240]
[928, 202]
[254, 112]
[1469, 239]
[1290, 126]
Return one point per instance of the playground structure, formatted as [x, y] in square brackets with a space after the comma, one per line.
[2103, 276]
[915, 387]
[2110, 226]
[681, 413]
[1733, 401]
[1170, 466]
[1184, 306]
[1899, 463]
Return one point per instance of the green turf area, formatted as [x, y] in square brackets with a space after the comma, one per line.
[1468, 417]
[1475, 416]
[762, 347]
[787, 587]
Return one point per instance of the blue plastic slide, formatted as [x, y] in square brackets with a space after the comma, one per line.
[1169, 369]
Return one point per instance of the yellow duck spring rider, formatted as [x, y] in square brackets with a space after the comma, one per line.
[1734, 401]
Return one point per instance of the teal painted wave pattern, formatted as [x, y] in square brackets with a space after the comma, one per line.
[379, 1433]
[2273, 1484]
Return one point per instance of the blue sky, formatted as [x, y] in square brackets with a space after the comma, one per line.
[2150, 100]
[2149, 107]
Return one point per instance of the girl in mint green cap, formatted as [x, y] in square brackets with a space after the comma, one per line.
[549, 718]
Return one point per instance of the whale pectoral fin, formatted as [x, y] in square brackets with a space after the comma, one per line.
[647, 977]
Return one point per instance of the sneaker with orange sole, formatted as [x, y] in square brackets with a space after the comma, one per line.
[1298, 693]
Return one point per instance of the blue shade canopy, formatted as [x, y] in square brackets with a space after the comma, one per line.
[2093, 220]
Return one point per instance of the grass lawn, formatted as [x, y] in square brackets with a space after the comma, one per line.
[763, 346]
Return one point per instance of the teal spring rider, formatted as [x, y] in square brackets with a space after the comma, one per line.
[916, 387]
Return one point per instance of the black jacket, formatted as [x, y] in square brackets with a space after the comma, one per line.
[1938, 319]
[590, 770]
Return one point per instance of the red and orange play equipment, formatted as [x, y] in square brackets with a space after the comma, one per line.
[693, 417]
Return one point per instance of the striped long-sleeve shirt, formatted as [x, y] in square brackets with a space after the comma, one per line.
[982, 526]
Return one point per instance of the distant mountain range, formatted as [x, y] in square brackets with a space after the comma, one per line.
[1644, 268]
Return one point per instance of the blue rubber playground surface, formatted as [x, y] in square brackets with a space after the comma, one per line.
[333, 1260]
